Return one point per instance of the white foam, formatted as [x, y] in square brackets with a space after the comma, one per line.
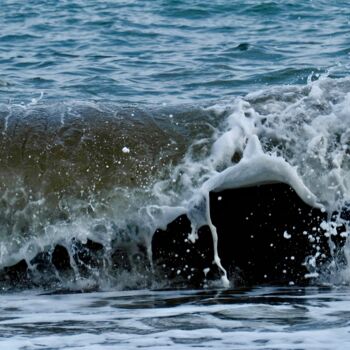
[297, 135]
[256, 168]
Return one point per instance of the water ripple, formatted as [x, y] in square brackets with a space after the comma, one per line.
[124, 50]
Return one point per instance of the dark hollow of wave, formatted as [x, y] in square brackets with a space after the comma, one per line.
[267, 235]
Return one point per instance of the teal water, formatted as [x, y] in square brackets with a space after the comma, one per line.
[166, 51]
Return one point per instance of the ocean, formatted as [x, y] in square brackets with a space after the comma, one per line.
[174, 174]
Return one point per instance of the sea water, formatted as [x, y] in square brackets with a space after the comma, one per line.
[118, 116]
[260, 318]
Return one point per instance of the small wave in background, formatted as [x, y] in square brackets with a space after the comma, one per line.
[166, 51]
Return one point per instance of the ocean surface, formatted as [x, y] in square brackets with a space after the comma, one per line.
[118, 116]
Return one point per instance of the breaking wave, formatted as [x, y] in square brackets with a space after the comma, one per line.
[84, 186]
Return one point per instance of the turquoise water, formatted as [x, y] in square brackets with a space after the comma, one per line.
[166, 51]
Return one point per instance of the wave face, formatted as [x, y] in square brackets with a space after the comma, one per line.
[84, 186]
